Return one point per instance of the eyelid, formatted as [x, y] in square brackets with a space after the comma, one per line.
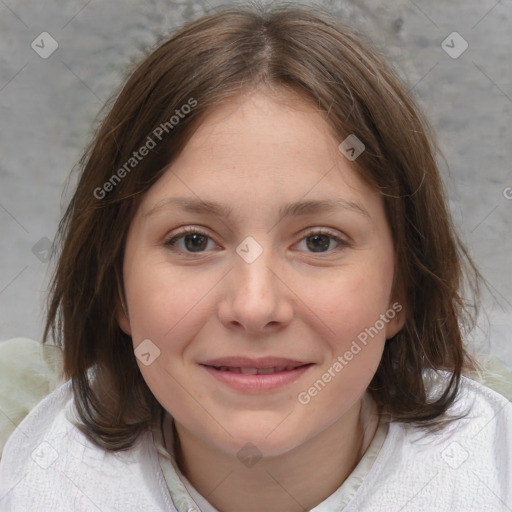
[185, 231]
[323, 231]
[340, 240]
[191, 229]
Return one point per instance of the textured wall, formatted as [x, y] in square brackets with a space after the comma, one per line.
[48, 106]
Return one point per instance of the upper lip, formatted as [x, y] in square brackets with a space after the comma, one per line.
[247, 362]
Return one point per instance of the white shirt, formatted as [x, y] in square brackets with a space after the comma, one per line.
[187, 496]
[49, 465]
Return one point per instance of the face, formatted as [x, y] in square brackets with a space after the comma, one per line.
[253, 269]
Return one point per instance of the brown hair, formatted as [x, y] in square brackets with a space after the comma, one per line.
[208, 61]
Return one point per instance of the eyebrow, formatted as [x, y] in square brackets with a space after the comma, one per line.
[295, 209]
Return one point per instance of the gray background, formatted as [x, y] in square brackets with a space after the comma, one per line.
[48, 110]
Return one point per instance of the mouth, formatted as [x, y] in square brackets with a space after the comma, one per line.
[257, 371]
[255, 375]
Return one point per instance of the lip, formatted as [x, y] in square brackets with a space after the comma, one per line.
[247, 362]
[255, 383]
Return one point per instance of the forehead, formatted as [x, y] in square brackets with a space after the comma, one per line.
[260, 148]
[250, 120]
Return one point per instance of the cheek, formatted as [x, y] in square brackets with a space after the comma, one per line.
[355, 339]
[163, 299]
[351, 307]
[354, 302]
[169, 308]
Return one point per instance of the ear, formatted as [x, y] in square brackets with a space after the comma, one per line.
[397, 314]
[123, 320]
[122, 315]
[397, 308]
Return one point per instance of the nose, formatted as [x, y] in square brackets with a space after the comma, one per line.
[256, 298]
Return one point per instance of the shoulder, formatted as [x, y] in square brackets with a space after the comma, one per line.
[465, 466]
[49, 464]
[29, 371]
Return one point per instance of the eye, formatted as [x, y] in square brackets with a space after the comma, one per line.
[193, 240]
[190, 240]
[321, 241]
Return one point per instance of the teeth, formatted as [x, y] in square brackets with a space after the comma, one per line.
[266, 371]
[256, 371]
[249, 371]
[229, 369]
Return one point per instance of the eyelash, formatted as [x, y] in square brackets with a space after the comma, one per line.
[191, 230]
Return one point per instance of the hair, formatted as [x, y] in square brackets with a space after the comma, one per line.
[209, 61]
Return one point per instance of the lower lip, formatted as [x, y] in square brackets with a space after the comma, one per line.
[257, 383]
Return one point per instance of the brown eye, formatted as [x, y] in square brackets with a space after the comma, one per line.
[195, 242]
[190, 241]
[318, 243]
[323, 242]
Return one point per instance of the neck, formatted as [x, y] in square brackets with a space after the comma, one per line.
[278, 483]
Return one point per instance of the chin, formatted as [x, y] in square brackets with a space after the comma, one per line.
[268, 440]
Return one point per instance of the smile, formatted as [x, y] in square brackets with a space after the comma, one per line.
[255, 371]
[253, 380]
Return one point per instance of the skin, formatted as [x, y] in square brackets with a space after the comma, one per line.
[254, 154]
